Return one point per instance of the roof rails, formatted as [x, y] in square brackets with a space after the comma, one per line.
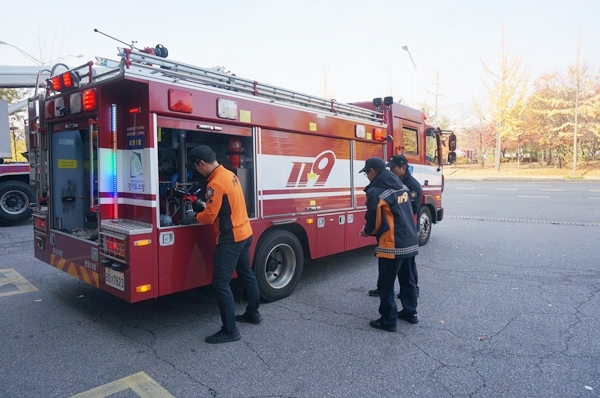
[141, 63]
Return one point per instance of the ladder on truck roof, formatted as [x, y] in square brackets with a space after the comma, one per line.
[157, 68]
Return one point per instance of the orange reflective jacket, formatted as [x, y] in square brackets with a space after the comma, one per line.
[225, 207]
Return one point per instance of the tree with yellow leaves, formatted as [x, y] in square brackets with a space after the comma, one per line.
[506, 96]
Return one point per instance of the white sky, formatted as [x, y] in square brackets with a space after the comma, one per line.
[290, 43]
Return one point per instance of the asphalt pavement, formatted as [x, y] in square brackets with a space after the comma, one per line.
[507, 309]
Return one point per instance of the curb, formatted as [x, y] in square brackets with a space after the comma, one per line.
[523, 179]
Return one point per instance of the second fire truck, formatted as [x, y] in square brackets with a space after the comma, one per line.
[115, 140]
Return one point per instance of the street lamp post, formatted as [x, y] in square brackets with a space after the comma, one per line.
[37, 61]
[405, 47]
[31, 57]
[65, 56]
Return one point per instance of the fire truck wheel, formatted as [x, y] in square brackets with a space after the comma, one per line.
[278, 264]
[15, 197]
[424, 225]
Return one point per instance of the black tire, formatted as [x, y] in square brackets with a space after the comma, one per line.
[424, 225]
[15, 197]
[278, 264]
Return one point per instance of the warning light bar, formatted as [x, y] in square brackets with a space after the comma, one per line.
[64, 81]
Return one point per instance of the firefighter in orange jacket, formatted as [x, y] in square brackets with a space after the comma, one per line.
[389, 218]
[226, 208]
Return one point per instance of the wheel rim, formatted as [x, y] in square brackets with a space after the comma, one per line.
[280, 266]
[424, 226]
[14, 202]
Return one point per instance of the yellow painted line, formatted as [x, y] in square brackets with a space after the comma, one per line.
[12, 277]
[140, 383]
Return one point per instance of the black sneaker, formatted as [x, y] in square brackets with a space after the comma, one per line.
[378, 324]
[255, 318]
[222, 337]
[410, 318]
[374, 293]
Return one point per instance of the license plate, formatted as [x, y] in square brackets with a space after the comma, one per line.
[114, 279]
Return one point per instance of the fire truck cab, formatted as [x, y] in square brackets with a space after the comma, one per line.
[408, 133]
[115, 140]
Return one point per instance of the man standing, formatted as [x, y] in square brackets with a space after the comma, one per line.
[226, 208]
[389, 218]
[399, 166]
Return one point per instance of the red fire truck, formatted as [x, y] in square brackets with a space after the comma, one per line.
[408, 134]
[115, 140]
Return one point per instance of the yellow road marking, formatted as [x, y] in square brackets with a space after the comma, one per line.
[142, 384]
[12, 277]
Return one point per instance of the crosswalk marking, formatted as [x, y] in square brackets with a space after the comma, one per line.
[9, 276]
[140, 383]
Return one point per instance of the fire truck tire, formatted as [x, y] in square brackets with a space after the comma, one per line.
[15, 197]
[424, 225]
[278, 264]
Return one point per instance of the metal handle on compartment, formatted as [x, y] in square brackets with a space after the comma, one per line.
[92, 197]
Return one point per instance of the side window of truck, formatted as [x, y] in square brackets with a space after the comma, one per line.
[409, 136]
[431, 147]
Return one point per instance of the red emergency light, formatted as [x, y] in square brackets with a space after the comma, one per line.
[180, 101]
[378, 134]
[89, 99]
[64, 81]
[50, 109]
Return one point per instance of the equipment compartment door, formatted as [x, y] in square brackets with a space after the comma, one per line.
[67, 180]
[330, 234]
[72, 183]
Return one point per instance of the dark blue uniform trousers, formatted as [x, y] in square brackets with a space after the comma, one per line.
[389, 269]
[230, 256]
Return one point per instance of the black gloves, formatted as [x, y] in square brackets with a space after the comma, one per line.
[189, 218]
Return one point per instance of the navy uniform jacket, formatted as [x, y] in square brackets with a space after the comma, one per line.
[416, 192]
[389, 217]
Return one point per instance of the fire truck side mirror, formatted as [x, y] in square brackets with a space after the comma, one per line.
[452, 157]
[452, 143]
